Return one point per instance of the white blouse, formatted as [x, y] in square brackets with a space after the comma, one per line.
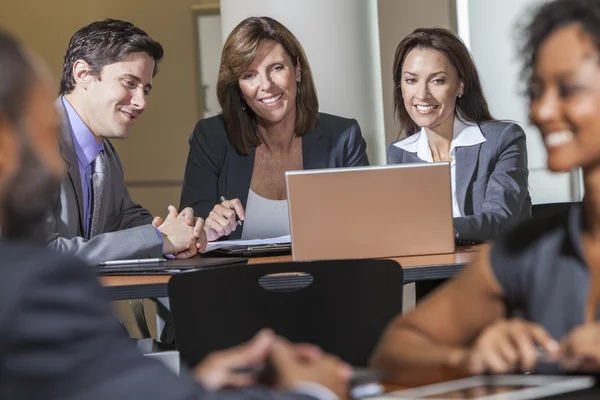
[265, 218]
[464, 135]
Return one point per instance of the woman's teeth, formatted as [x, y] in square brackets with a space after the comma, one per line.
[271, 99]
[425, 108]
[559, 138]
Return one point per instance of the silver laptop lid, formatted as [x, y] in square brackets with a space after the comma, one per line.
[369, 212]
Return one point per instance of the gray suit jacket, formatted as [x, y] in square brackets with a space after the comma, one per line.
[215, 168]
[59, 339]
[126, 226]
[491, 181]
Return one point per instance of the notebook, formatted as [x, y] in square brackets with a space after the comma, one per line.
[168, 267]
[251, 248]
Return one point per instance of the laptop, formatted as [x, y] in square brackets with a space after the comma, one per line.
[370, 212]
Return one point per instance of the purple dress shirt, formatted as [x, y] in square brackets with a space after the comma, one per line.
[86, 148]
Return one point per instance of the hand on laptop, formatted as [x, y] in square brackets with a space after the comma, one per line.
[580, 350]
[183, 234]
[223, 219]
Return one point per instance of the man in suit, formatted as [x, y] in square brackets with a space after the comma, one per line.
[107, 75]
[58, 339]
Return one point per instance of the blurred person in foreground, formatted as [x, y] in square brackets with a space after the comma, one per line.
[547, 269]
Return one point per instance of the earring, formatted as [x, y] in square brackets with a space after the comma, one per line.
[243, 105]
[298, 85]
[459, 95]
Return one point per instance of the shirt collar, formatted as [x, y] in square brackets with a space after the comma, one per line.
[86, 146]
[466, 135]
[463, 135]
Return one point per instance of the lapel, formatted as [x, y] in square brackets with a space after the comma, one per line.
[467, 160]
[315, 153]
[237, 180]
[239, 175]
[67, 150]
[409, 158]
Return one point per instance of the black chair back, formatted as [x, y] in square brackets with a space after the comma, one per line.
[340, 305]
[549, 209]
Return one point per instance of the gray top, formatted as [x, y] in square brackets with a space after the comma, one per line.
[491, 181]
[542, 271]
[265, 218]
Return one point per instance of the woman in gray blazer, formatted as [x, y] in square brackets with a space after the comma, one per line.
[270, 124]
[444, 116]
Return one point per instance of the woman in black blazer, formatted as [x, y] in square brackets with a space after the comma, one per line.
[270, 124]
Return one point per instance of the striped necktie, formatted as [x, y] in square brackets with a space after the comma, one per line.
[98, 170]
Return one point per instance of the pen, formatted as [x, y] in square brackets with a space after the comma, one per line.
[223, 199]
[135, 261]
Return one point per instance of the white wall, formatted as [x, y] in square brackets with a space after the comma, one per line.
[492, 34]
[341, 41]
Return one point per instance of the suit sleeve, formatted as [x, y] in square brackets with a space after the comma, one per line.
[132, 214]
[506, 192]
[357, 147]
[139, 242]
[200, 181]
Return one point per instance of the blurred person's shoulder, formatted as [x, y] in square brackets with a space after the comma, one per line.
[551, 233]
[22, 265]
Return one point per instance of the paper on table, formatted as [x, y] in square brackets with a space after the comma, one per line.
[252, 242]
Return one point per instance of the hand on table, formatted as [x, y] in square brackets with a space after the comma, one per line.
[183, 234]
[509, 346]
[292, 368]
[580, 350]
[217, 370]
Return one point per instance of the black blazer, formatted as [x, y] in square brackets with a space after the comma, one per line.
[215, 168]
[59, 340]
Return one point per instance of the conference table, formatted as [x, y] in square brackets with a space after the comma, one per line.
[416, 268]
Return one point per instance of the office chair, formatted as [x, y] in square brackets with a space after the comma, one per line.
[548, 209]
[342, 306]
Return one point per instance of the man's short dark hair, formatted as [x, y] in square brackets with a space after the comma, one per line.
[106, 42]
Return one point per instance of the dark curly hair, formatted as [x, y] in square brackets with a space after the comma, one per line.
[106, 42]
[552, 16]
